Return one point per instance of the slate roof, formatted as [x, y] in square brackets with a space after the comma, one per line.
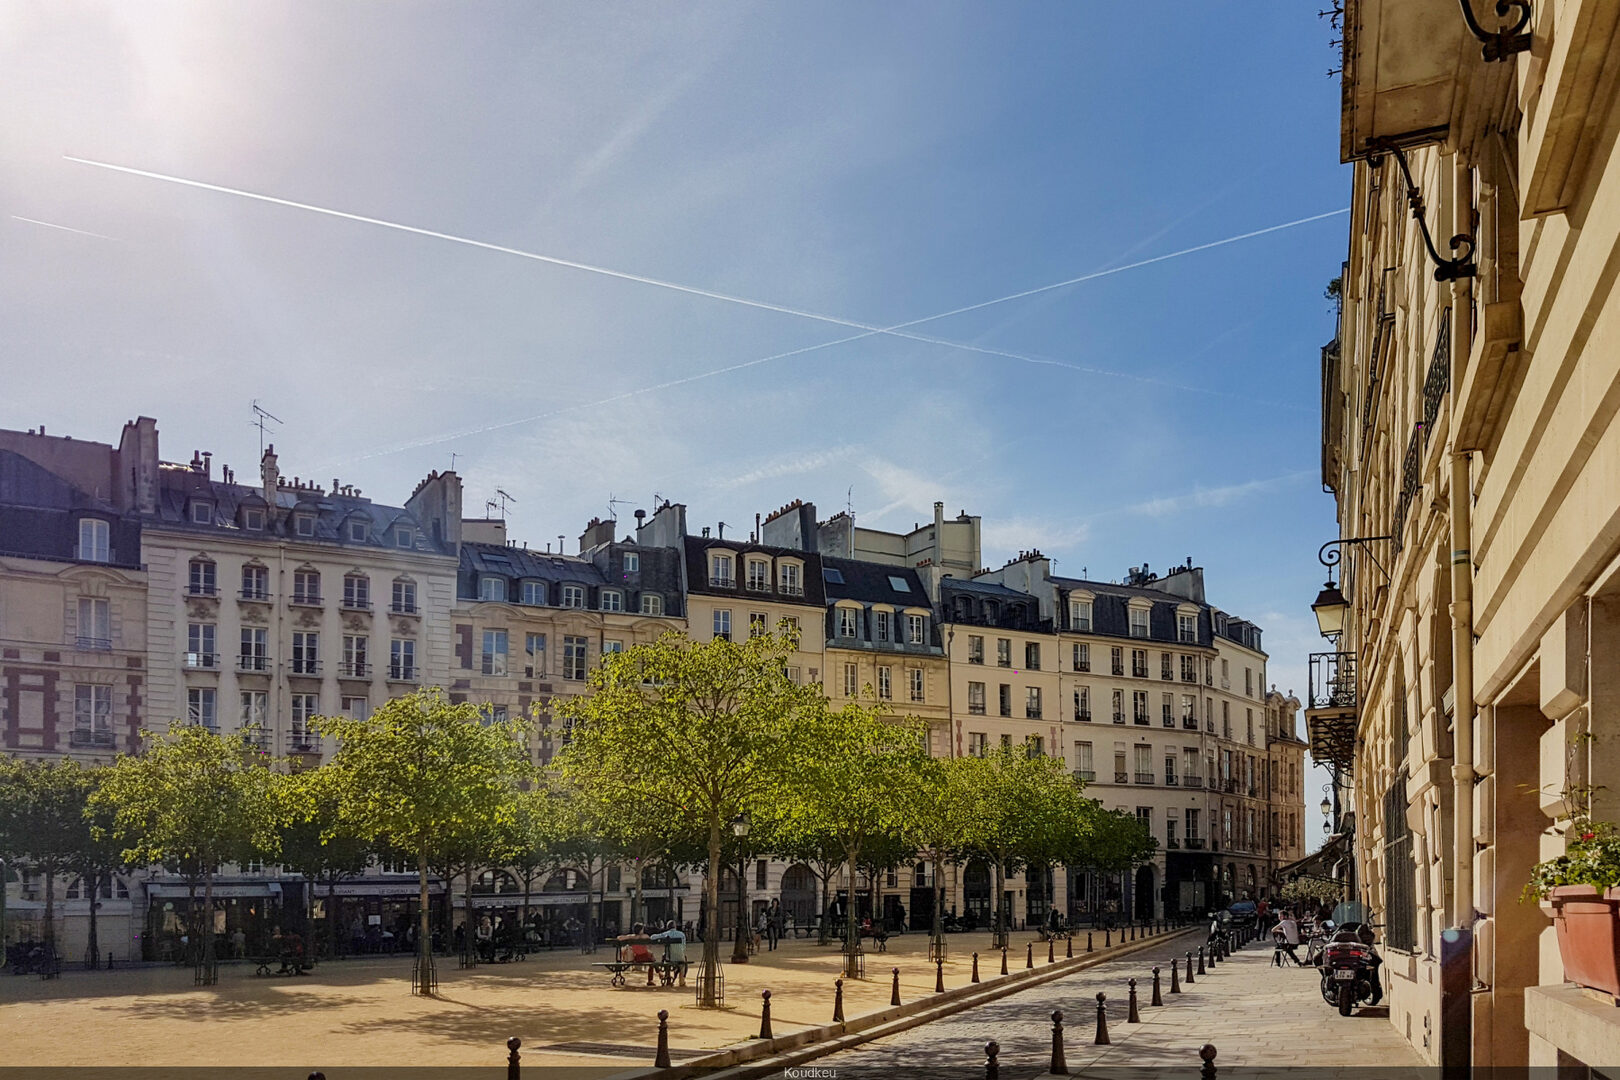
[697, 571]
[26, 483]
[517, 563]
[869, 583]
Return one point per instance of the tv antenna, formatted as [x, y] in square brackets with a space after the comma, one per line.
[260, 416]
[849, 501]
[613, 506]
[500, 500]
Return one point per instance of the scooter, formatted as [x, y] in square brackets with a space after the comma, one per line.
[1349, 966]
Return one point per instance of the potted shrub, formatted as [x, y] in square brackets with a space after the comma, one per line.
[1583, 887]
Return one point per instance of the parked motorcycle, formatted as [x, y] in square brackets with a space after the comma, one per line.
[1349, 966]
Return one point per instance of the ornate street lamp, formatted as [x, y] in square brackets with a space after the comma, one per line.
[739, 951]
[1330, 608]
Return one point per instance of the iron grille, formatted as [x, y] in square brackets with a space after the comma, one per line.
[1410, 474]
[1400, 901]
[1438, 380]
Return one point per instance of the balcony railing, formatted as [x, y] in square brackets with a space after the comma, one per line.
[1119, 718]
[1194, 843]
[1332, 681]
[791, 590]
[305, 599]
[1168, 720]
[1142, 720]
[259, 596]
[1189, 723]
[305, 667]
[1139, 671]
[758, 585]
[202, 660]
[1170, 780]
[303, 742]
[403, 672]
[354, 669]
[92, 644]
[1121, 777]
[1411, 474]
[202, 589]
[1144, 778]
[1438, 380]
[88, 738]
[356, 603]
[1083, 715]
[1085, 775]
[975, 708]
[404, 608]
[1032, 713]
[250, 663]
[1192, 781]
[1172, 843]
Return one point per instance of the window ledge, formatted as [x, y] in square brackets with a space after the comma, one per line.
[1577, 1023]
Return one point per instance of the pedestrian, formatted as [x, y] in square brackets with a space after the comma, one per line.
[773, 925]
[239, 944]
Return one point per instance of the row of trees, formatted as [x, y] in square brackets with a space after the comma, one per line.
[677, 741]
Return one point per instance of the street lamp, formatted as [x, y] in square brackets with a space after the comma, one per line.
[1327, 807]
[1330, 608]
[739, 829]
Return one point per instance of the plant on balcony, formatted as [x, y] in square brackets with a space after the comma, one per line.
[1583, 886]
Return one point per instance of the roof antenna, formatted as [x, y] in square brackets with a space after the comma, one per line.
[613, 506]
[453, 456]
[504, 498]
[849, 501]
[261, 416]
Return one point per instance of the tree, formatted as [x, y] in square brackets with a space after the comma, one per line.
[193, 800]
[700, 731]
[422, 774]
[317, 842]
[99, 860]
[938, 822]
[527, 838]
[43, 822]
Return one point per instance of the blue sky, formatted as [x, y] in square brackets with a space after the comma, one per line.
[875, 163]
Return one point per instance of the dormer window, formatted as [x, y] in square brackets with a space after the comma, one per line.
[304, 524]
[359, 532]
[759, 575]
[632, 562]
[914, 631]
[791, 579]
[848, 620]
[491, 588]
[1139, 622]
[652, 604]
[534, 593]
[1080, 616]
[720, 569]
[573, 596]
[403, 538]
[611, 600]
[253, 518]
[202, 512]
[1187, 627]
[95, 537]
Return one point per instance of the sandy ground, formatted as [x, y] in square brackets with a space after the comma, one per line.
[361, 1012]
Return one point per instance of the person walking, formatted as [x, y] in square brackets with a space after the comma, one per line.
[773, 925]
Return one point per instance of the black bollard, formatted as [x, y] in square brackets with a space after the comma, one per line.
[1190, 979]
[939, 975]
[1208, 1054]
[1060, 1067]
[1133, 1017]
[1102, 1022]
[317, 1075]
[765, 1015]
[1029, 955]
[1088, 941]
[975, 967]
[1175, 980]
[1133, 930]
[1200, 963]
[1108, 937]
[1068, 947]
[1051, 943]
[661, 1057]
[514, 1068]
[1004, 959]
[894, 995]
[838, 1001]
[1157, 1000]
[991, 1070]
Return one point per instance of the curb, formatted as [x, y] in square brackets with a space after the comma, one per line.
[757, 1057]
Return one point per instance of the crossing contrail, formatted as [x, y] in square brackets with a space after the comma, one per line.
[64, 228]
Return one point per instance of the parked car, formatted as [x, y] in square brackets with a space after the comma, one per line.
[1243, 913]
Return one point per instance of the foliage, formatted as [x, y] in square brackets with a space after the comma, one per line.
[1591, 857]
[43, 821]
[316, 840]
[1313, 888]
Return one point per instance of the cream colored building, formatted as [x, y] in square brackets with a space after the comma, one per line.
[1470, 439]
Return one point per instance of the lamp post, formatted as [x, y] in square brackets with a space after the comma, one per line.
[739, 952]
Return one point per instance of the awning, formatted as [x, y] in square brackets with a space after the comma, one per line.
[261, 889]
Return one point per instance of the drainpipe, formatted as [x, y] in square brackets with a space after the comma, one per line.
[1462, 651]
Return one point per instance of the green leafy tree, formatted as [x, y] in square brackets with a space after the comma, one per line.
[424, 775]
[938, 822]
[192, 800]
[99, 860]
[701, 731]
[317, 842]
[43, 822]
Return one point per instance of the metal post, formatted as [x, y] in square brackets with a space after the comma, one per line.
[991, 1070]
[1157, 999]
[1088, 941]
[1108, 937]
[939, 976]
[1060, 1067]
[1004, 959]
[1102, 1022]
[1175, 974]
[1190, 979]
[894, 995]
[765, 1015]
[661, 1057]
[513, 1067]
[975, 967]
[838, 1001]
[1133, 1017]
[1068, 947]
[1207, 1052]
[1051, 944]
[1029, 955]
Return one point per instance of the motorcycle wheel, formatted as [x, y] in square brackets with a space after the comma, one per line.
[1347, 998]
[1329, 991]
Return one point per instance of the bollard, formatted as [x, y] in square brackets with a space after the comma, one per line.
[894, 995]
[1004, 959]
[1051, 944]
[1108, 937]
[1133, 1017]
[661, 1057]
[1068, 947]
[1157, 1000]
[1060, 1067]
[1175, 980]
[838, 1001]
[991, 1070]
[975, 967]
[765, 1015]
[1102, 1022]
[1200, 964]
[1133, 929]
[1208, 1054]
[513, 1058]
[939, 975]
[1088, 941]
[1029, 955]
[1190, 979]
[317, 1075]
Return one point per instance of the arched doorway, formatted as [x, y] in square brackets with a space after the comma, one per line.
[799, 895]
[976, 893]
[1143, 893]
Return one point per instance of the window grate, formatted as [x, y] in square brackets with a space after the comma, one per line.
[1400, 901]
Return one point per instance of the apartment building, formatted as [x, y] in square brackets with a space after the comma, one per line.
[1469, 440]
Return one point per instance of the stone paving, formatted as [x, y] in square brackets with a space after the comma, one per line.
[1256, 1015]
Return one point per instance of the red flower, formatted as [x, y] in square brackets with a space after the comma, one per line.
[1588, 836]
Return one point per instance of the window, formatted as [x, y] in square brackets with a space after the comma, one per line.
[975, 649]
[306, 587]
[610, 646]
[1250, 721]
[1189, 669]
[1139, 706]
[852, 684]
[1189, 767]
[1084, 763]
[201, 581]
[978, 744]
[632, 562]
[201, 702]
[1139, 663]
[1003, 652]
[1170, 831]
[304, 524]
[898, 584]
[200, 646]
[791, 579]
[1116, 657]
[403, 538]
[1209, 715]
[255, 709]
[832, 576]
[1121, 776]
[720, 570]
[847, 622]
[914, 629]
[611, 600]
[255, 649]
[916, 678]
[1119, 706]
[1139, 622]
[1226, 719]
[757, 624]
[789, 623]
[354, 656]
[306, 652]
[1035, 746]
[357, 708]
[722, 624]
[359, 531]
[92, 713]
[652, 604]
[976, 698]
[1032, 702]
[1144, 816]
[574, 657]
[1006, 742]
[885, 685]
[1226, 674]
[573, 596]
[1189, 819]
[1167, 710]
[1248, 682]
[494, 656]
[1166, 666]
[881, 621]
[1005, 700]
[1080, 616]
[405, 597]
[1170, 769]
[1032, 655]
[534, 647]
[402, 659]
[253, 519]
[95, 624]
[305, 707]
[1187, 628]
[356, 591]
[1082, 704]
[1189, 711]
[1144, 763]
[759, 575]
[491, 588]
[94, 540]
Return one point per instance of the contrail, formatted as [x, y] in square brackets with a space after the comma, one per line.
[868, 329]
[64, 228]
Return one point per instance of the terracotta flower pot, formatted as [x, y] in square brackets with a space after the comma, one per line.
[1588, 923]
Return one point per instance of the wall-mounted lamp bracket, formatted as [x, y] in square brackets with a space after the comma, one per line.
[1332, 551]
[1506, 40]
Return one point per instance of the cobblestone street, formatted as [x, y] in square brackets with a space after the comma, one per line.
[1257, 1016]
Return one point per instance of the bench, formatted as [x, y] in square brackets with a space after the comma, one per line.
[288, 966]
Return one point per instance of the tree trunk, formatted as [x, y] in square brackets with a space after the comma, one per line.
[1001, 904]
[332, 916]
[635, 897]
[938, 928]
[210, 963]
[469, 943]
[711, 935]
[50, 908]
[95, 902]
[193, 942]
[424, 981]
[590, 904]
[744, 929]
[852, 925]
[825, 929]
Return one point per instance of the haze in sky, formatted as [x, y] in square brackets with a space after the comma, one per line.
[726, 254]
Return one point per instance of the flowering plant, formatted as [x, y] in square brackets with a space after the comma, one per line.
[1591, 857]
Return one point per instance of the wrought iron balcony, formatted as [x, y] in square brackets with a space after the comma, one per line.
[1085, 775]
[1121, 777]
[1144, 778]
[203, 660]
[1194, 843]
[1332, 708]
[92, 644]
[1172, 843]
[354, 669]
[249, 663]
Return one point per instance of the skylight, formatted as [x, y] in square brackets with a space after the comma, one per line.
[898, 584]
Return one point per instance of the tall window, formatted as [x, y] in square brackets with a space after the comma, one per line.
[255, 583]
[1400, 901]
[1003, 652]
[1082, 703]
[305, 707]
[914, 629]
[95, 538]
[534, 593]
[1189, 668]
[92, 712]
[202, 706]
[1189, 766]
[791, 578]
[573, 596]
[1032, 702]
[1035, 746]
[759, 575]
[975, 649]
[306, 652]
[756, 624]
[1083, 761]
[852, 684]
[534, 648]
[1143, 756]
[255, 709]
[1116, 656]
[885, 683]
[917, 683]
[95, 623]
[1167, 711]
[978, 744]
[722, 624]
[200, 652]
[201, 581]
[1190, 823]
[1082, 657]
[1170, 769]
[847, 618]
[356, 591]
[976, 698]
[1248, 682]
[574, 655]
[1005, 702]
[1139, 706]
[1139, 663]
[491, 588]
[1139, 622]
[720, 570]
[404, 602]
[1187, 628]
[1032, 655]
[494, 654]
[1189, 711]
[1080, 615]
[1226, 719]
[306, 587]
[357, 708]
[255, 646]
[402, 659]
[1119, 706]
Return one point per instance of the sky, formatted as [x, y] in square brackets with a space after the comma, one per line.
[616, 251]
